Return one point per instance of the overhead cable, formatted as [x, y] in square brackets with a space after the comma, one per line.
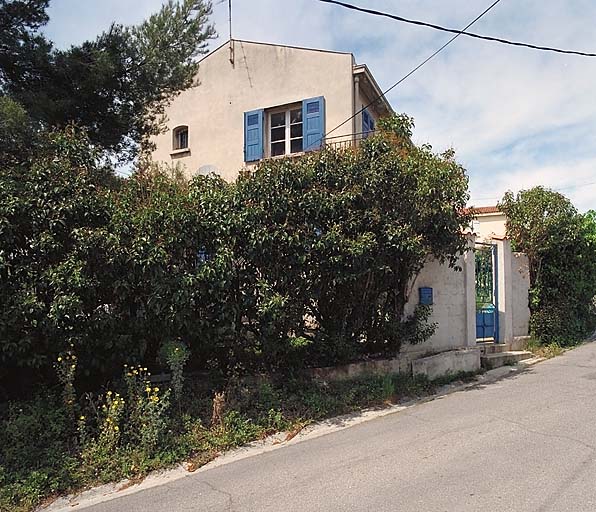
[459, 32]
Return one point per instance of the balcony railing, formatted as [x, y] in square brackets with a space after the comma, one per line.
[349, 141]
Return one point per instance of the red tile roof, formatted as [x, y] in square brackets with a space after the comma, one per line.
[479, 210]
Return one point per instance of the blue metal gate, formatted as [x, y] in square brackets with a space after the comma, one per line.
[487, 297]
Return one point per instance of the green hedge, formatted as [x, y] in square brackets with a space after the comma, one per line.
[303, 261]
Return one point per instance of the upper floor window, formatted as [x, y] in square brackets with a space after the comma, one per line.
[284, 130]
[180, 137]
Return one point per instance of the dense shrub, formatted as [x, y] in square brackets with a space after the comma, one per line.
[337, 236]
[303, 261]
[561, 247]
[54, 211]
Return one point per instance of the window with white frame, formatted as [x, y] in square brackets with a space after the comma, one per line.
[285, 131]
[180, 138]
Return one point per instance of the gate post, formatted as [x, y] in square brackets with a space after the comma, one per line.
[470, 291]
[504, 290]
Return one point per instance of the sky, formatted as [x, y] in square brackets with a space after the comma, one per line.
[515, 117]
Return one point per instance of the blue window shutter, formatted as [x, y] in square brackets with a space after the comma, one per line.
[313, 117]
[368, 123]
[253, 135]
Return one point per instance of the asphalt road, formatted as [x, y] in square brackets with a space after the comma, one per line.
[524, 443]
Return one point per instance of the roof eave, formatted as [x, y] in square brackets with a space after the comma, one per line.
[382, 104]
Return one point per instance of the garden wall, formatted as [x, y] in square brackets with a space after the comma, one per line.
[520, 280]
[453, 308]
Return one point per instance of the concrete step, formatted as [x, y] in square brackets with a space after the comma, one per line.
[490, 347]
[511, 357]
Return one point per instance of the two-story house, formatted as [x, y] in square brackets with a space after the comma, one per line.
[257, 100]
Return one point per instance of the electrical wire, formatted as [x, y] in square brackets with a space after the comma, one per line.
[457, 34]
[405, 77]
[460, 32]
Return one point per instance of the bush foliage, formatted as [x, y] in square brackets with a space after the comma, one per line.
[561, 248]
[303, 261]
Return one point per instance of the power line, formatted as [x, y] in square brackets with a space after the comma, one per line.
[459, 32]
[405, 77]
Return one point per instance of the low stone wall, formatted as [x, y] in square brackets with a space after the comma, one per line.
[447, 363]
[437, 365]
[373, 367]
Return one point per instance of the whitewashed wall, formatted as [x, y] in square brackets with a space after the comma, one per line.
[520, 278]
[454, 296]
[454, 305]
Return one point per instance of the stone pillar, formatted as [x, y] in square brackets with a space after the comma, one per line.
[470, 286]
[504, 290]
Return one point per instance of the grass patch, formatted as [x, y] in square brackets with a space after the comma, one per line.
[47, 450]
[546, 351]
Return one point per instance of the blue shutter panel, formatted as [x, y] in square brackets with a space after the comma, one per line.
[253, 135]
[368, 123]
[313, 117]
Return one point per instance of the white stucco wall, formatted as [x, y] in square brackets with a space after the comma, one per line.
[453, 305]
[520, 277]
[262, 76]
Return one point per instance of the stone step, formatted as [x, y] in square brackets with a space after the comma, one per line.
[511, 357]
[490, 347]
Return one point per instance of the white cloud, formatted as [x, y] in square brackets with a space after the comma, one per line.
[516, 117]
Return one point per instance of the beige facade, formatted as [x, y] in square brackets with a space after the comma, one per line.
[489, 222]
[241, 77]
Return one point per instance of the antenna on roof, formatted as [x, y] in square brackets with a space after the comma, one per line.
[231, 40]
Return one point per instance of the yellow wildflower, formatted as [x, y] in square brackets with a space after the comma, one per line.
[82, 418]
[59, 359]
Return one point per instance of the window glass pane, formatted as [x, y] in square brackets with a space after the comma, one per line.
[296, 116]
[296, 145]
[278, 148]
[295, 130]
[278, 119]
[181, 138]
[278, 134]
